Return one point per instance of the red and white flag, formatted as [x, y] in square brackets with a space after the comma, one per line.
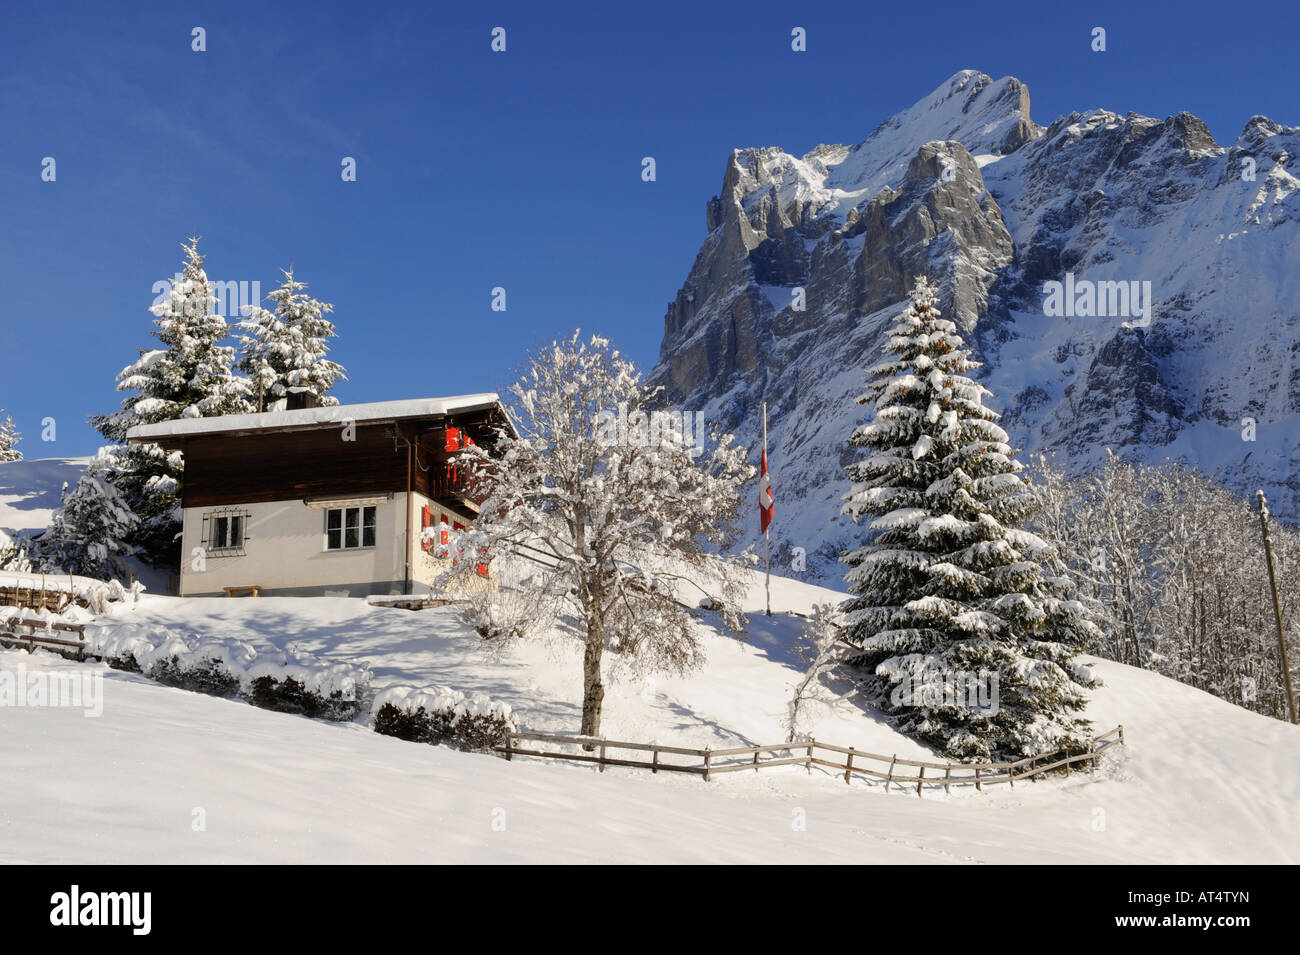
[766, 503]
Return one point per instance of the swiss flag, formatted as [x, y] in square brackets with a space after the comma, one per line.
[766, 505]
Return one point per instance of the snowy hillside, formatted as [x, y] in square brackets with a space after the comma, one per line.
[965, 187]
[1199, 781]
[30, 490]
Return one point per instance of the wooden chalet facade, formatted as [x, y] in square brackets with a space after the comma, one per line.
[323, 501]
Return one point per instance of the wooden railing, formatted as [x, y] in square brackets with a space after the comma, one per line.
[709, 762]
[43, 633]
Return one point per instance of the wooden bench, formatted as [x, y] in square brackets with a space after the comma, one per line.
[9, 634]
[254, 589]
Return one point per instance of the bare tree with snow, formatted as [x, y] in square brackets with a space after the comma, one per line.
[625, 519]
[820, 650]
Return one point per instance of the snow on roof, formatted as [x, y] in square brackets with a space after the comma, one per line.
[305, 418]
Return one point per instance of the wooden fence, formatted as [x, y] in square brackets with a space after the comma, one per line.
[17, 631]
[856, 762]
[28, 596]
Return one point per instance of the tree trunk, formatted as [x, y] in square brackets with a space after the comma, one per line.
[593, 690]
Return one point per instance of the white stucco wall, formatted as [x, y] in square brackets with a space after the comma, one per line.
[284, 550]
[424, 568]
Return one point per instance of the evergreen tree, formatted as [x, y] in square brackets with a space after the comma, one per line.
[969, 639]
[89, 534]
[284, 351]
[13, 554]
[190, 377]
[9, 441]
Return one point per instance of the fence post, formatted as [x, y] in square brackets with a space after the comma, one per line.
[920, 779]
[602, 754]
[1011, 775]
[708, 760]
[808, 762]
[890, 777]
[510, 746]
[947, 776]
[654, 761]
[848, 769]
[977, 779]
[755, 759]
[1121, 733]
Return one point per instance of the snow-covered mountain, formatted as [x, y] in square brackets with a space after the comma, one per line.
[965, 187]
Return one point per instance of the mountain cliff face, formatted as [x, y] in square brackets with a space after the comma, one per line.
[808, 258]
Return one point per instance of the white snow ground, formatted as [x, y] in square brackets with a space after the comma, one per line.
[1199, 781]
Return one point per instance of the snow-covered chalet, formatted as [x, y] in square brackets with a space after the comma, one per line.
[323, 500]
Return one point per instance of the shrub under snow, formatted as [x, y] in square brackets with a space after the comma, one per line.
[442, 715]
[290, 681]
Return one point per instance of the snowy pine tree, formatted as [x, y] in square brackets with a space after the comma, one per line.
[9, 441]
[192, 376]
[969, 638]
[13, 554]
[284, 351]
[91, 532]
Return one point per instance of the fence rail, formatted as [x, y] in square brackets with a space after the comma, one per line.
[735, 759]
[19, 630]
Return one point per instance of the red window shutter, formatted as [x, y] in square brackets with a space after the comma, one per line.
[426, 518]
[453, 440]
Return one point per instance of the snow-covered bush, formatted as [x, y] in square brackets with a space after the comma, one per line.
[512, 603]
[441, 715]
[290, 681]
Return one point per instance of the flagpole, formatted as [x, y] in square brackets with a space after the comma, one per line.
[767, 553]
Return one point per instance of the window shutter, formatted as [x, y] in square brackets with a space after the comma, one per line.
[426, 519]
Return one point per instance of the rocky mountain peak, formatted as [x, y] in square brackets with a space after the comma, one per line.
[1177, 250]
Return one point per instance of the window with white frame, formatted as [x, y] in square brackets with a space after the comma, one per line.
[349, 528]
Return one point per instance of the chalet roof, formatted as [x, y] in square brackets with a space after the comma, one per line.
[304, 419]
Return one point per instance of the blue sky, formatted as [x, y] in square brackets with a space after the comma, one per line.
[478, 169]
